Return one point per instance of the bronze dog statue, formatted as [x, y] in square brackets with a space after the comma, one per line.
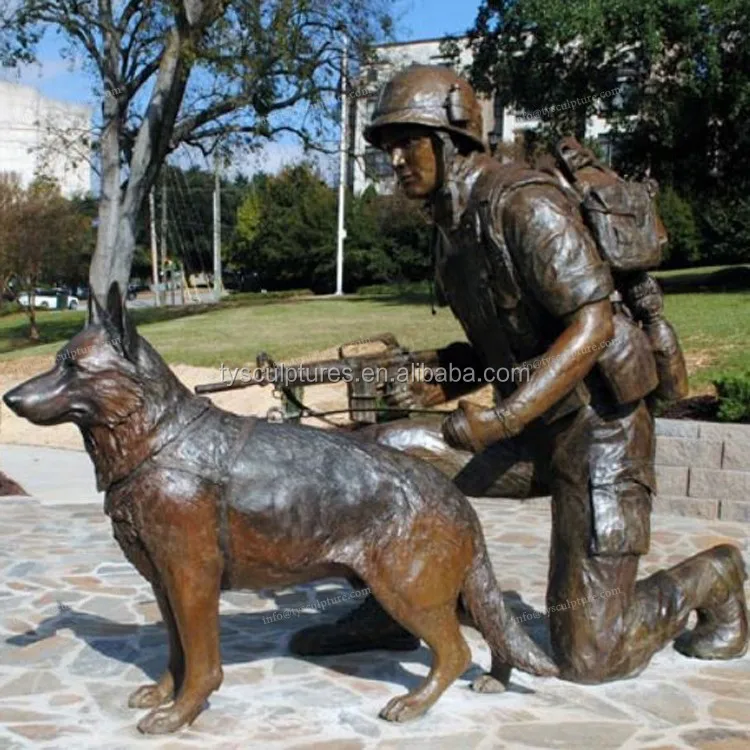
[203, 500]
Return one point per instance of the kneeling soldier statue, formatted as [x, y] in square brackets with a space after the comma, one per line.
[538, 270]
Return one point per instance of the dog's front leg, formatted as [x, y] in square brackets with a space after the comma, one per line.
[190, 568]
[193, 592]
[162, 691]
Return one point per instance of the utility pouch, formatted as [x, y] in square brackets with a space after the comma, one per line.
[646, 301]
[622, 218]
[627, 362]
[621, 517]
[621, 487]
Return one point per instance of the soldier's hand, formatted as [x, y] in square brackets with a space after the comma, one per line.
[400, 396]
[458, 429]
[414, 395]
[472, 428]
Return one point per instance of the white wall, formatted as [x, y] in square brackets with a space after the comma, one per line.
[41, 135]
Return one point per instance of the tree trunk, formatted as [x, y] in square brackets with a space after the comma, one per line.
[33, 328]
[118, 208]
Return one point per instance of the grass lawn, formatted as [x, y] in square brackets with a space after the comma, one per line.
[234, 334]
[713, 328]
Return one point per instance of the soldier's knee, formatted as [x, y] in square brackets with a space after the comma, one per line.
[586, 650]
[599, 662]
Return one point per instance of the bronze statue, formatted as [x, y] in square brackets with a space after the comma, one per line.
[527, 278]
[203, 500]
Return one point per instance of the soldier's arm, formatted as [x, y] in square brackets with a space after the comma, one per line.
[560, 266]
[570, 358]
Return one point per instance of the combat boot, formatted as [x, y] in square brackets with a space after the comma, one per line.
[365, 628]
[715, 581]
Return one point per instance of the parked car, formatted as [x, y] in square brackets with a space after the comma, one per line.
[50, 299]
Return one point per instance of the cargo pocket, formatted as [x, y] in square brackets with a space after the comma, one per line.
[621, 518]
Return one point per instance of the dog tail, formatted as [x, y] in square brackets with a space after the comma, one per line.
[508, 641]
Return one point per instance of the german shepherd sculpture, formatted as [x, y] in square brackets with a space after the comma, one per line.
[203, 500]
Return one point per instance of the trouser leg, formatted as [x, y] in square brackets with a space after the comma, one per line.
[615, 625]
[604, 624]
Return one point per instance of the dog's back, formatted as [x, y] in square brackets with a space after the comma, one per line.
[310, 481]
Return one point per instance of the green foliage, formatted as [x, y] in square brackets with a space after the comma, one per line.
[682, 71]
[684, 246]
[734, 397]
[286, 233]
[286, 230]
[249, 216]
[682, 67]
[726, 229]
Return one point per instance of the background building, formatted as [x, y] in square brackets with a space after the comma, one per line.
[39, 135]
[370, 166]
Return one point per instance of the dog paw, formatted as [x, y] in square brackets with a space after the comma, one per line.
[403, 708]
[488, 684]
[149, 696]
[166, 720]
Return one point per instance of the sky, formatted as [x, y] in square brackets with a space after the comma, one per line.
[415, 19]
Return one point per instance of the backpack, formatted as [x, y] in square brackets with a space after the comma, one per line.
[622, 218]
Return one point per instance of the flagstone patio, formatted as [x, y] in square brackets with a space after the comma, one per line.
[79, 629]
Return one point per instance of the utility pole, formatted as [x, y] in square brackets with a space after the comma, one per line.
[217, 230]
[341, 234]
[182, 284]
[154, 248]
[164, 234]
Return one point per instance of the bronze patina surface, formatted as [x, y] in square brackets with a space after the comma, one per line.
[203, 500]
[523, 274]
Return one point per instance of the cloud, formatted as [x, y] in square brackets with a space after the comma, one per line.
[53, 78]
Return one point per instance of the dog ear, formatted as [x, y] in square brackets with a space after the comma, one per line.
[129, 336]
[121, 322]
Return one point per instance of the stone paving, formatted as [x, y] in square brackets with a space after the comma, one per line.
[80, 630]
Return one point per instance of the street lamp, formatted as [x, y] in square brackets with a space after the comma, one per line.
[341, 233]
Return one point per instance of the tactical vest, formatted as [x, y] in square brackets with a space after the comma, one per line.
[477, 277]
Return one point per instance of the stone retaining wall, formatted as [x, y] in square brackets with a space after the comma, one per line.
[703, 469]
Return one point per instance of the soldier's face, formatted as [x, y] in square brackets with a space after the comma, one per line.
[413, 158]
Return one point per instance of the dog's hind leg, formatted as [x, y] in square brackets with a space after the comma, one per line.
[162, 691]
[451, 656]
[416, 578]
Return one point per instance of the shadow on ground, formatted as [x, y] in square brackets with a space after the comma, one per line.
[731, 279]
[246, 638]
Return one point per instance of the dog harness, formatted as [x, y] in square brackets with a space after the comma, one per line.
[223, 522]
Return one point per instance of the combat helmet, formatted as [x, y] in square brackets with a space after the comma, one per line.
[430, 95]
